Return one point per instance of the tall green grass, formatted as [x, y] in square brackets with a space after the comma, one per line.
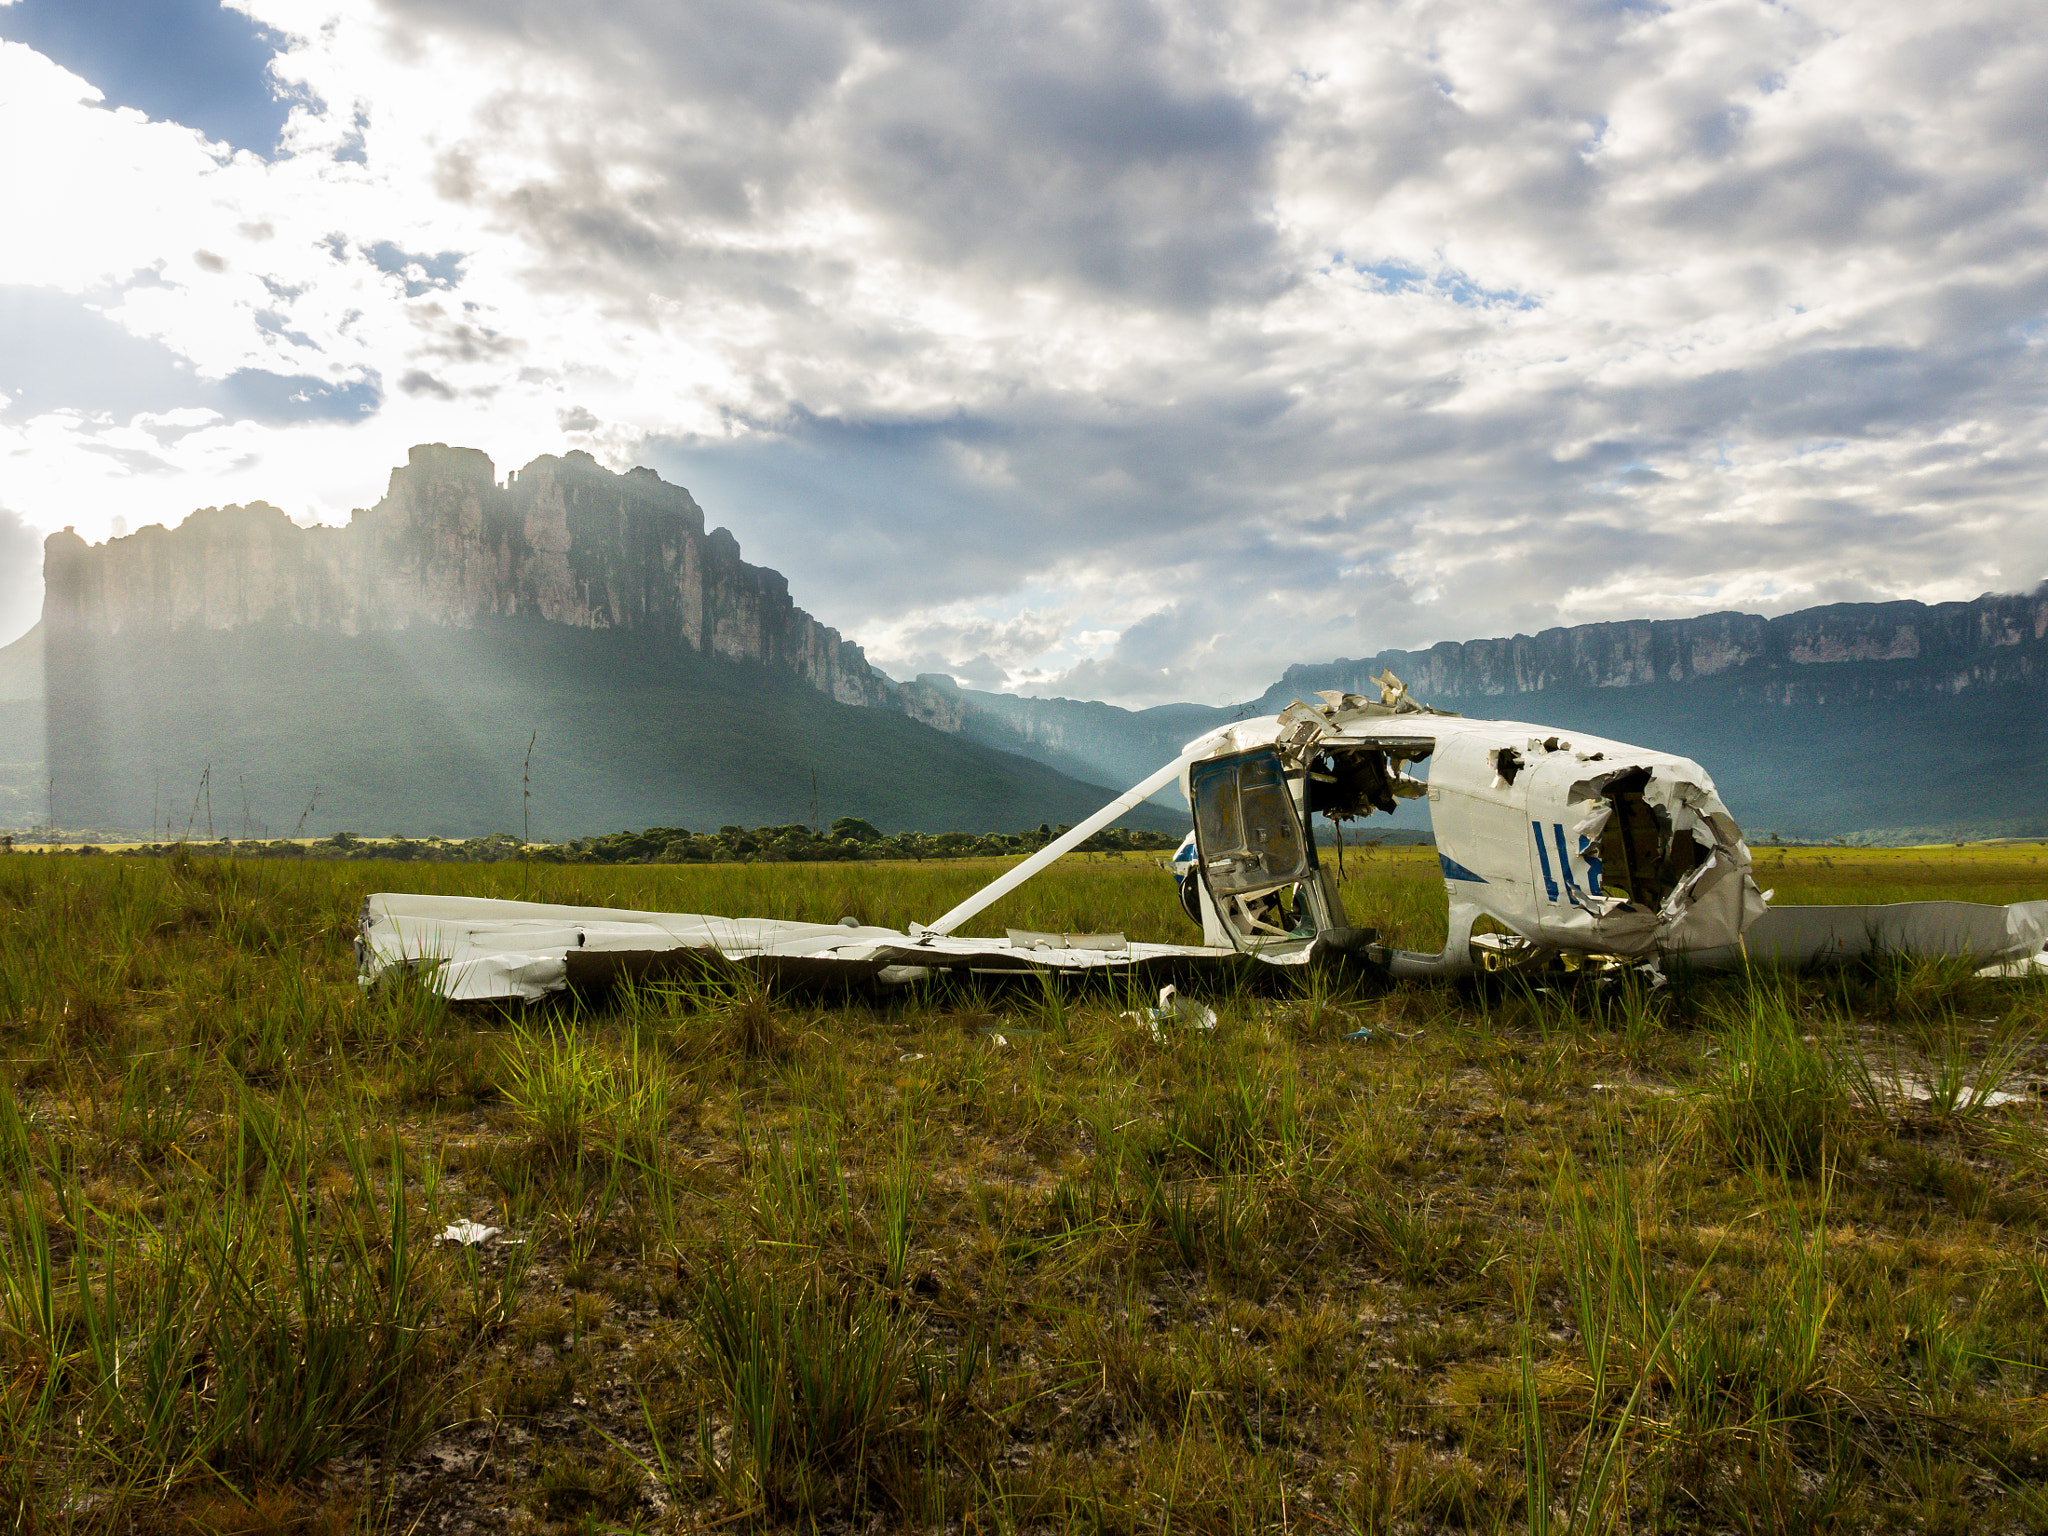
[1739, 1253]
[1773, 1097]
[250, 1334]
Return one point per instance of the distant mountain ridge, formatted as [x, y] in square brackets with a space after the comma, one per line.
[1803, 719]
[453, 570]
[1990, 641]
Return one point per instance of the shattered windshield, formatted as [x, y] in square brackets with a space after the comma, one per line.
[1246, 825]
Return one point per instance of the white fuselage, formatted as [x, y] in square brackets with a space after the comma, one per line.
[1569, 841]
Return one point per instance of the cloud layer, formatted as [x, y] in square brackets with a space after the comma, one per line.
[1122, 350]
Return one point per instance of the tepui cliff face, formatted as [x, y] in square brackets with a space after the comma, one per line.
[562, 540]
[1940, 648]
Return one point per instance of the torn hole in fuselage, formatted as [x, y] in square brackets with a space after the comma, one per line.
[1348, 781]
[1633, 850]
[1494, 946]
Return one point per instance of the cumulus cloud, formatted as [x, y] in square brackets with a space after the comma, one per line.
[980, 651]
[1125, 349]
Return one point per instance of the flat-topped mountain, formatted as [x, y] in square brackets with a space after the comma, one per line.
[1893, 721]
[1943, 648]
[563, 541]
[390, 674]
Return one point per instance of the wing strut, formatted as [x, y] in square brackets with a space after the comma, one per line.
[1007, 882]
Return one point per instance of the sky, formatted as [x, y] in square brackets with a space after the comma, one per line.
[1113, 349]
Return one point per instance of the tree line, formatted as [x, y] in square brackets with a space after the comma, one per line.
[847, 840]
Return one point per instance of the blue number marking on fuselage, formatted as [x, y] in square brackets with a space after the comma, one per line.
[1564, 860]
[1543, 858]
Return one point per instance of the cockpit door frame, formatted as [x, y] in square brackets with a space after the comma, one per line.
[1227, 911]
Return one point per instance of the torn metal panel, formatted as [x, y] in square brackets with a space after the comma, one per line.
[473, 949]
[1949, 930]
[1108, 943]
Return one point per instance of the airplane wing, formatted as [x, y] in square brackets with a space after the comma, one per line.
[475, 949]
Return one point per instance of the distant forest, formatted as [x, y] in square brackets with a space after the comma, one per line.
[847, 839]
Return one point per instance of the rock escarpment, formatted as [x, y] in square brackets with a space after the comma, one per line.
[1868, 650]
[567, 542]
[1903, 652]
[563, 540]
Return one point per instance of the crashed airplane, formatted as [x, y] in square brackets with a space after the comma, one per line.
[1554, 847]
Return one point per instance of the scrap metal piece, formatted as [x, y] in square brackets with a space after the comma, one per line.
[467, 1233]
[476, 949]
[1933, 930]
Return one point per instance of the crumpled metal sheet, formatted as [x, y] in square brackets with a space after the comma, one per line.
[1710, 907]
[1957, 930]
[475, 949]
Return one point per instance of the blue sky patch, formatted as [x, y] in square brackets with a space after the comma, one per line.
[183, 61]
[1405, 277]
[442, 271]
[255, 394]
[56, 353]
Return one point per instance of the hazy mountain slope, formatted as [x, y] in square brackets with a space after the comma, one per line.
[423, 730]
[1975, 764]
[23, 792]
[402, 661]
[21, 667]
[1098, 742]
[1901, 720]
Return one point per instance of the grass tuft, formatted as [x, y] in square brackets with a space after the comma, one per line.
[1773, 1098]
[812, 1377]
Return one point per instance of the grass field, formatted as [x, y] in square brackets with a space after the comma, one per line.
[1742, 1253]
